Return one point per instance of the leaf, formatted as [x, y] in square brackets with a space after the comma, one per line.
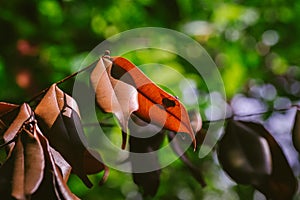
[113, 95]
[24, 114]
[22, 172]
[6, 107]
[250, 155]
[147, 181]
[296, 131]
[54, 184]
[194, 170]
[155, 105]
[8, 113]
[64, 166]
[196, 120]
[59, 119]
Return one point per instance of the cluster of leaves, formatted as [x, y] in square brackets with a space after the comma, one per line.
[45, 145]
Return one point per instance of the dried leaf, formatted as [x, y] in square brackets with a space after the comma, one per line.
[296, 131]
[59, 119]
[113, 95]
[250, 155]
[196, 120]
[155, 105]
[64, 166]
[147, 181]
[54, 184]
[22, 172]
[24, 114]
[8, 113]
[6, 107]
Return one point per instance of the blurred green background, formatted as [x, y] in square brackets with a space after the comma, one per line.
[255, 45]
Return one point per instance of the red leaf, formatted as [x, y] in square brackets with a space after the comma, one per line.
[155, 104]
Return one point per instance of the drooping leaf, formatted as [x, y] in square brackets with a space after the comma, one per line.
[54, 184]
[6, 107]
[196, 120]
[22, 172]
[296, 131]
[24, 114]
[146, 169]
[8, 113]
[194, 170]
[155, 105]
[113, 95]
[63, 165]
[250, 155]
[59, 119]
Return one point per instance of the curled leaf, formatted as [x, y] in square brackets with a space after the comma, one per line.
[155, 105]
[22, 172]
[113, 95]
[250, 155]
[24, 114]
[8, 113]
[54, 184]
[59, 119]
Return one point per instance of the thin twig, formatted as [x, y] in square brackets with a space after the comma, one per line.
[62, 81]
[99, 123]
[249, 115]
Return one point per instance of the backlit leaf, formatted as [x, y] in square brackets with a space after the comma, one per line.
[155, 105]
[113, 95]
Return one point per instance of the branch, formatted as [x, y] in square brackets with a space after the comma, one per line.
[252, 114]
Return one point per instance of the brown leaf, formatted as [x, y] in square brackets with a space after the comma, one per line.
[8, 113]
[250, 155]
[63, 165]
[113, 95]
[25, 113]
[196, 120]
[296, 131]
[147, 181]
[155, 104]
[54, 184]
[24, 168]
[59, 119]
